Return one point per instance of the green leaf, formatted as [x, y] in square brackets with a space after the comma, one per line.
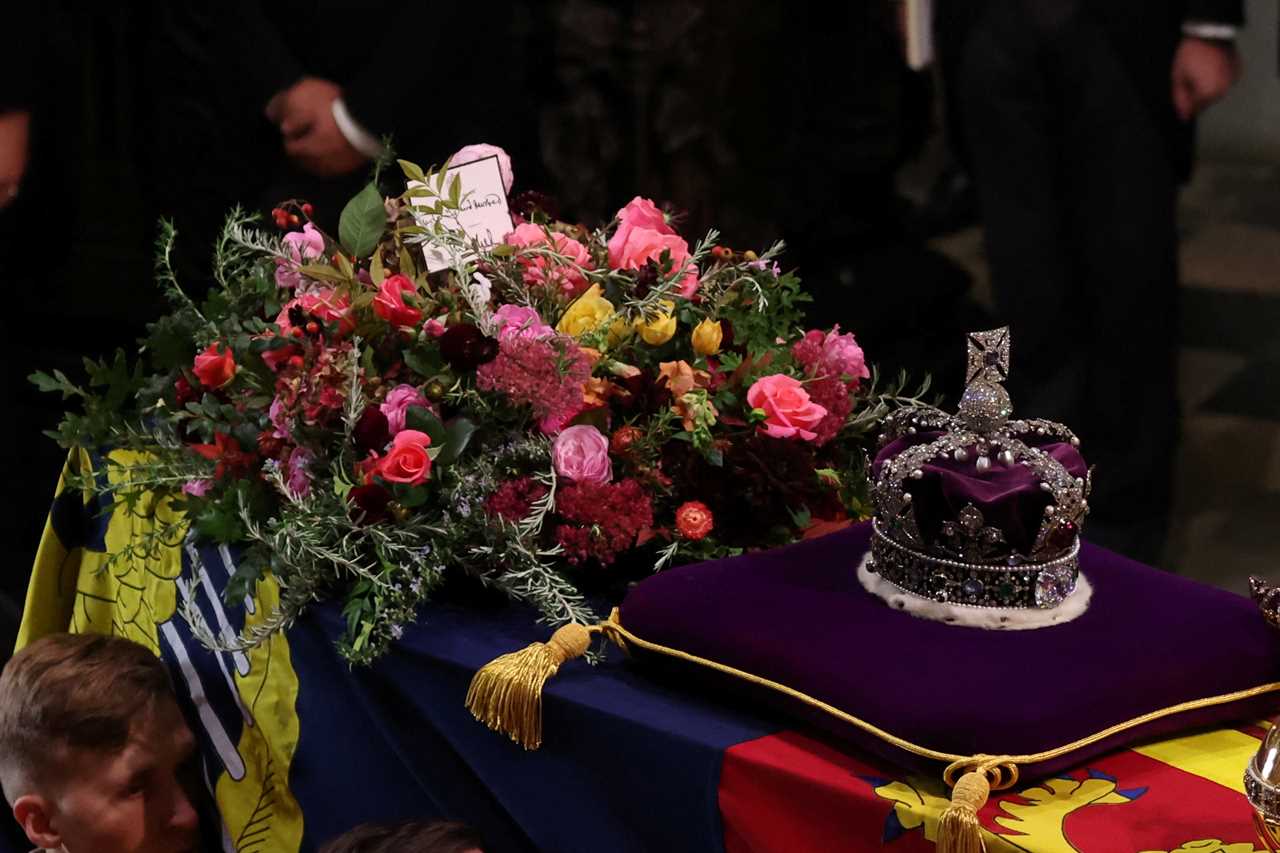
[412, 496]
[220, 522]
[457, 436]
[425, 364]
[412, 171]
[424, 420]
[362, 221]
[55, 383]
[323, 272]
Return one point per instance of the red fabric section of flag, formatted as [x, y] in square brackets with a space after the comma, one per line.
[1176, 808]
[787, 792]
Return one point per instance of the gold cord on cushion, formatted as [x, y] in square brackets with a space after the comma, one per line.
[506, 694]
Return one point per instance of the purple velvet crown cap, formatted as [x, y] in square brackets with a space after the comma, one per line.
[1009, 497]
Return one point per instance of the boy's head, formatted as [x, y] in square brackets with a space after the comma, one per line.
[94, 753]
[409, 837]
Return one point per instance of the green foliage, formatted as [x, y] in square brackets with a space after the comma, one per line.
[362, 221]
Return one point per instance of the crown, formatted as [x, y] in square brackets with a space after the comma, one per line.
[978, 508]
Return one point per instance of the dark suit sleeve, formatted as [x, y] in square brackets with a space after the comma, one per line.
[255, 56]
[1215, 11]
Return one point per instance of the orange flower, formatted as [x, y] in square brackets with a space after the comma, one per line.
[681, 378]
[694, 520]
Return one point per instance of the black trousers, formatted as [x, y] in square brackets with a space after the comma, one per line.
[1077, 174]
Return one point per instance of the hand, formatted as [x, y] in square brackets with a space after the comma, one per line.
[304, 113]
[1203, 71]
[14, 129]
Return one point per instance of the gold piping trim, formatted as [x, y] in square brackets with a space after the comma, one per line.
[612, 627]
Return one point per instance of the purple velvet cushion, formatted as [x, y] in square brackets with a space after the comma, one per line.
[1010, 498]
[798, 616]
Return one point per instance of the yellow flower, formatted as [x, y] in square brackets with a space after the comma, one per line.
[586, 314]
[618, 332]
[707, 337]
[661, 329]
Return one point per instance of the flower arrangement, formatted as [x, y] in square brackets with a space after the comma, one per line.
[562, 410]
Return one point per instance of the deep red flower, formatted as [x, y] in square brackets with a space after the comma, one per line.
[465, 347]
[513, 500]
[372, 432]
[371, 500]
[183, 393]
[605, 519]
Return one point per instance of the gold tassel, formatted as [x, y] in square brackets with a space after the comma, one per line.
[959, 830]
[506, 694]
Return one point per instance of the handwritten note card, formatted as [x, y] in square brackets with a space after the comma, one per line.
[482, 214]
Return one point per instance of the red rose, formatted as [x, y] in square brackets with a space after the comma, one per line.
[389, 303]
[215, 366]
[407, 460]
[694, 520]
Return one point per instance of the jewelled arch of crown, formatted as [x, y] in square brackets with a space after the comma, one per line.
[972, 563]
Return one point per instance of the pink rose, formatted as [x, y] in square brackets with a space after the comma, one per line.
[788, 410]
[841, 355]
[397, 404]
[645, 244]
[521, 321]
[389, 304]
[540, 271]
[639, 213]
[407, 461]
[479, 151]
[581, 454]
[301, 246]
[434, 327]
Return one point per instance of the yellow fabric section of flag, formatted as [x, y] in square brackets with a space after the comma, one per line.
[82, 590]
[1219, 755]
[260, 811]
[51, 591]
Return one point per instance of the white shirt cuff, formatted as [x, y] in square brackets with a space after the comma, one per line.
[360, 139]
[1209, 30]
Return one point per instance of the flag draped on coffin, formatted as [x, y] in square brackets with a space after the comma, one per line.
[299, 748]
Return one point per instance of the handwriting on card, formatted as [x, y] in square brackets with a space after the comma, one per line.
[482, 212]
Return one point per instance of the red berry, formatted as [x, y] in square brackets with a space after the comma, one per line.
[312, 327]
[307, 209]
[293, 219]
[296, 361]
[296, 331]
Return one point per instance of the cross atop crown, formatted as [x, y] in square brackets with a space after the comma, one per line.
[988, 356]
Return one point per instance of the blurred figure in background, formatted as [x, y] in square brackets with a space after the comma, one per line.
[771, 121]
[1077, 118]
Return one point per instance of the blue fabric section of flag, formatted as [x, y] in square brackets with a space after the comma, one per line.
[627, 764]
